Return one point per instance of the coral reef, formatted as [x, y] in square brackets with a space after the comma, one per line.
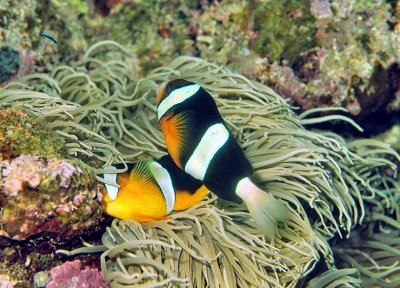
[41, 190]
[333, 188]
[17, 22]
[47, 195]
[28, 263]
[318, 53]
[22, 133]
[21, 24]
[19, 27]
[285, 20]
[354, 61]
[5, 282]
[70, 275]
[212, 30]
[9, 63]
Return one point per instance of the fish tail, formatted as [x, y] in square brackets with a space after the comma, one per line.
[264, 208]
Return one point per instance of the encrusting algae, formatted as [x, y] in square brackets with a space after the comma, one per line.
[336, 191]
[42, 190]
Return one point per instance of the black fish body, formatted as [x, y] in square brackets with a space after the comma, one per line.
[200, 143]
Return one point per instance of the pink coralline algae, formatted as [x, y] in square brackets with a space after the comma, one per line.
[20, 173]
[51, 195]
[28, 171]
[64, 170]
[321, 8]
[70, 275]
[5, 282]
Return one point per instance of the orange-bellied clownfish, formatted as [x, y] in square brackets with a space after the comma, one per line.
[150, 190]
[200, 143]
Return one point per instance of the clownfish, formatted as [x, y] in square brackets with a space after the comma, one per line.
[200, 143]
[150, 190]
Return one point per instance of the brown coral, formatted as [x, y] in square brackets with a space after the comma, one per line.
[42, 189]
[46, 195]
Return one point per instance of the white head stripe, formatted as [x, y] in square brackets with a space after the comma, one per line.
[177, 96]
[164, 181]
[214, 138]
[112, 190]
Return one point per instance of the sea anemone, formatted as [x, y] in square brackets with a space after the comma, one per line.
[331, 186]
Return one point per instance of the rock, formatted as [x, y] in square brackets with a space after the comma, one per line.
[9, 63]
[6, 282]
[41, 189]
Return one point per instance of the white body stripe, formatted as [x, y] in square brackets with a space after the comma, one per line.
[164, 181]
[177, 96]
[214, 138]
[112, 190]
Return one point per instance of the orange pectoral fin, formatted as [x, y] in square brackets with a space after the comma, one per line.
[185, 199]
[177, 131]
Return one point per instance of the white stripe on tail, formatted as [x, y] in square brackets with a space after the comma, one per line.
[263, 207]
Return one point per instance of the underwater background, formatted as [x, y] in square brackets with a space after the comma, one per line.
[310, 89]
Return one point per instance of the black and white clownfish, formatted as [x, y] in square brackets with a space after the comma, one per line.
[200, 143]
[150, 190]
